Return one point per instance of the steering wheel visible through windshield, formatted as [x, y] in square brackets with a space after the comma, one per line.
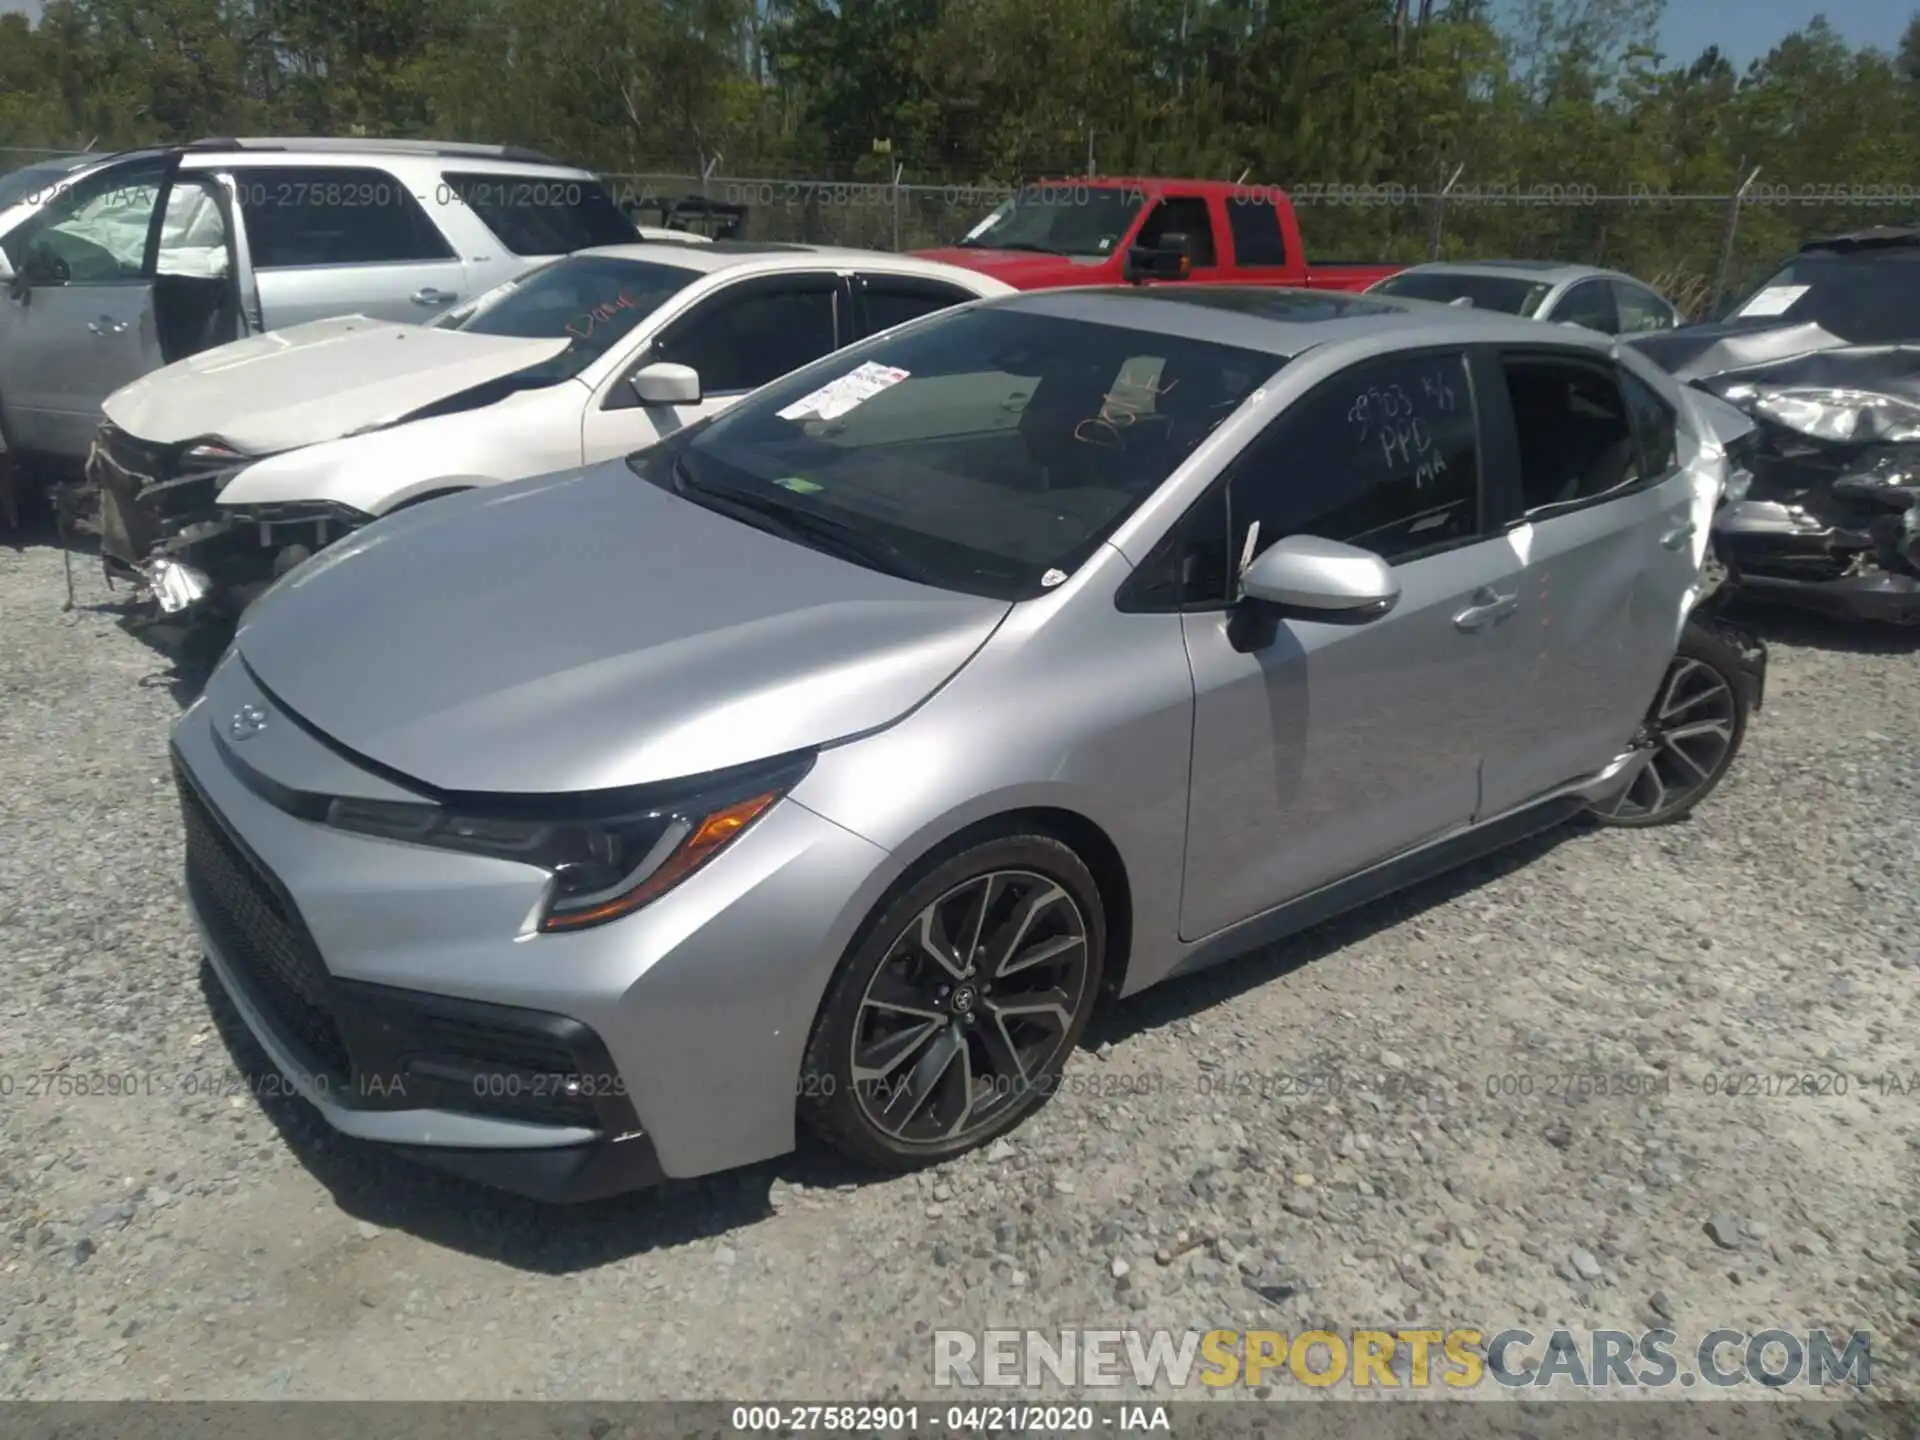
[989, 450]
[591, 301]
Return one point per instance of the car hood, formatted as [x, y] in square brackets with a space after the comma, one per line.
[314, 382]
[1693, 351]
[1022, 269]
[590, 631]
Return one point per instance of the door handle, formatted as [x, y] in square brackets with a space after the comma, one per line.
[1489, 606]
[1679, 535]
[427, 295]
[107, 325]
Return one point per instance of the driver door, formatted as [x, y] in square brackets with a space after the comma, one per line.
[79, 321]
[739, 337]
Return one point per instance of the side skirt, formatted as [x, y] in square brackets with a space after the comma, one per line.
[1434, 858]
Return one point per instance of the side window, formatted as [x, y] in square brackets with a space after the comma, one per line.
[1384, 456]
[1640, 310]
[93, 234]
[1255, 226]
[539, 215]
[333, 215]
[889, 300]
[1183, 215]
[1653, 426]
[746, 336]
[1575, 439]
[1590, 303]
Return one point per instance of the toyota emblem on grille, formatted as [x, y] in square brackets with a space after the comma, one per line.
[247, 722]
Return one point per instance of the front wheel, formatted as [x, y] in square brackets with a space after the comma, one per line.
[951, 1020]
[1691, 734]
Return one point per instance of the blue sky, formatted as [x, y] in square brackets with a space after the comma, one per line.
[1743, 33]
[1750, 30]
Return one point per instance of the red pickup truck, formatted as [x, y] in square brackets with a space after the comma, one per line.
[1080, 231]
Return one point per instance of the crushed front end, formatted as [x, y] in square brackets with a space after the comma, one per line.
[162, 526]
[1828, 517]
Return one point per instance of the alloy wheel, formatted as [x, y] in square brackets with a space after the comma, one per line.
[1686, 740]
[970, 1008]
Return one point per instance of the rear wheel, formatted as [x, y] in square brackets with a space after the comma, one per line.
[1690, 737]
[950, 1021]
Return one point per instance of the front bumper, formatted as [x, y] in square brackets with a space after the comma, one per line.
[404, 993]
[162, 524]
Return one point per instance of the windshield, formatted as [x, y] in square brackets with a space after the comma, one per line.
[1868, 298]
[35, 183]
[987, 451]
[592, 301]
[1486, 292]
[1059, 220]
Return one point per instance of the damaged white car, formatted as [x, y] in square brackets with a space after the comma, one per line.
[221, 472]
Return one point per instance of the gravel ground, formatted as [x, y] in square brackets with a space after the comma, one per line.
[215, 1246]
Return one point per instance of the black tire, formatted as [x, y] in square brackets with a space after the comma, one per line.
[887, 961]
[1702, 660]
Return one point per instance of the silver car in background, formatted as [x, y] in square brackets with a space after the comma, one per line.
[1602, 300]
[116, 267]
[825, 762]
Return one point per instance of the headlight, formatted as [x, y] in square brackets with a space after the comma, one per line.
[211, 457]
[609, 855]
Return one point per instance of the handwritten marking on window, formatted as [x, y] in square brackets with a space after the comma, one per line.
[582, 326]
[1120, 407]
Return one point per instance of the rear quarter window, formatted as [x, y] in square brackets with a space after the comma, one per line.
[539, 215]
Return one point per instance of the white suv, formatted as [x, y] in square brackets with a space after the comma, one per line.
[136, 260]
[224, 470]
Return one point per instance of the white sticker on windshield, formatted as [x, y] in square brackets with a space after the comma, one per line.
[837, 397]
[1774, 300]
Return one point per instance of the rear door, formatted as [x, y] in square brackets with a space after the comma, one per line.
[80, 322]
[1604, 521]
[1320, 747]
[738, 337]
[882, 301]
[1259, 241]
[330, 240]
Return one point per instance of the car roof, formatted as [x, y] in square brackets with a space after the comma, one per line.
[772, 257]
[1286, 322]
[1539, 272]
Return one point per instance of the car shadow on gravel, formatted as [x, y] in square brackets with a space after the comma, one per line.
[382, 1189]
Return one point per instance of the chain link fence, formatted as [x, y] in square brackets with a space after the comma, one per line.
[1694, 247]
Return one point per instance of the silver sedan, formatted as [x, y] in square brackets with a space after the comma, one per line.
[1584, 295]
[823, 765]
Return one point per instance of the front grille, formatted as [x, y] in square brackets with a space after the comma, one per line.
[258, 932]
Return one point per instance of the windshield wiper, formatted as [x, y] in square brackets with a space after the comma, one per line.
[823, 532]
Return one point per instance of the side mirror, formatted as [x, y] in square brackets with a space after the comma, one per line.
[1331, 580]
[6, 269]
[1167, 261]
[663, 383]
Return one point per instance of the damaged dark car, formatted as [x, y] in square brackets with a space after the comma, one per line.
[1825, 358]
